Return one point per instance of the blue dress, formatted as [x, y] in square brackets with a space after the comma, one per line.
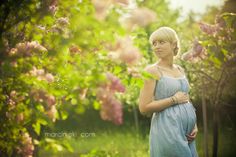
[170, 126]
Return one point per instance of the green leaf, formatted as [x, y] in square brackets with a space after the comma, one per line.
[40, 107]
[139, 82]
[96, 105]
[73, 101]
[64, 115]
[68, 146]
[36, 127]
[117, 69]
[57, 147]
[148, 75]
[79, 109]
[42, 121]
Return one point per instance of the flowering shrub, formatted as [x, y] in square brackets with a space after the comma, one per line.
[111, 108]
[54, 65]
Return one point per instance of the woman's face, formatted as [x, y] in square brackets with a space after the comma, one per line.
[163, 48]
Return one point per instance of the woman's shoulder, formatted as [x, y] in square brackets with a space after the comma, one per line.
[152, 69]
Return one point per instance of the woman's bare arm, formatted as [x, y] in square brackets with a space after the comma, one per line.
[147, 104]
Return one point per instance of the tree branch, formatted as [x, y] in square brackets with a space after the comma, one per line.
[204, 74]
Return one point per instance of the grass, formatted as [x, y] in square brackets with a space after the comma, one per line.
[104, 144]
[127, 143]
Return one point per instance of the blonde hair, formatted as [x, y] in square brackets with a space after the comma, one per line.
[165, 34]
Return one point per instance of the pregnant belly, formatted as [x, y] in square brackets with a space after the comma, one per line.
[182, 116]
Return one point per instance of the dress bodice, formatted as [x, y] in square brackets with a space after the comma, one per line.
[167, 86]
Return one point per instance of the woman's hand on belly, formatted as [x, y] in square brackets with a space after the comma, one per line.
[181, 97]
[193, 134]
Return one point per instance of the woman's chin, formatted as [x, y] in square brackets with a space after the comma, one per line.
[160, 56]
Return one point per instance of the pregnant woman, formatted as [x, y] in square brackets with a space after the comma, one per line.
[165, 96]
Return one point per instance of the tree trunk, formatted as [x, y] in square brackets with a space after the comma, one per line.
[216, 107]
[136, 119]
[204, 114]
[215, 130]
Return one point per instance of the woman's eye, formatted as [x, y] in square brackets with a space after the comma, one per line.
[158, 42]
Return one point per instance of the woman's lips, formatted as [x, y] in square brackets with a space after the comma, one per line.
[158, 51]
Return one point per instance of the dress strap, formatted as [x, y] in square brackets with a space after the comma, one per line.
[154, 92]
[159, 71]
[180, 70]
